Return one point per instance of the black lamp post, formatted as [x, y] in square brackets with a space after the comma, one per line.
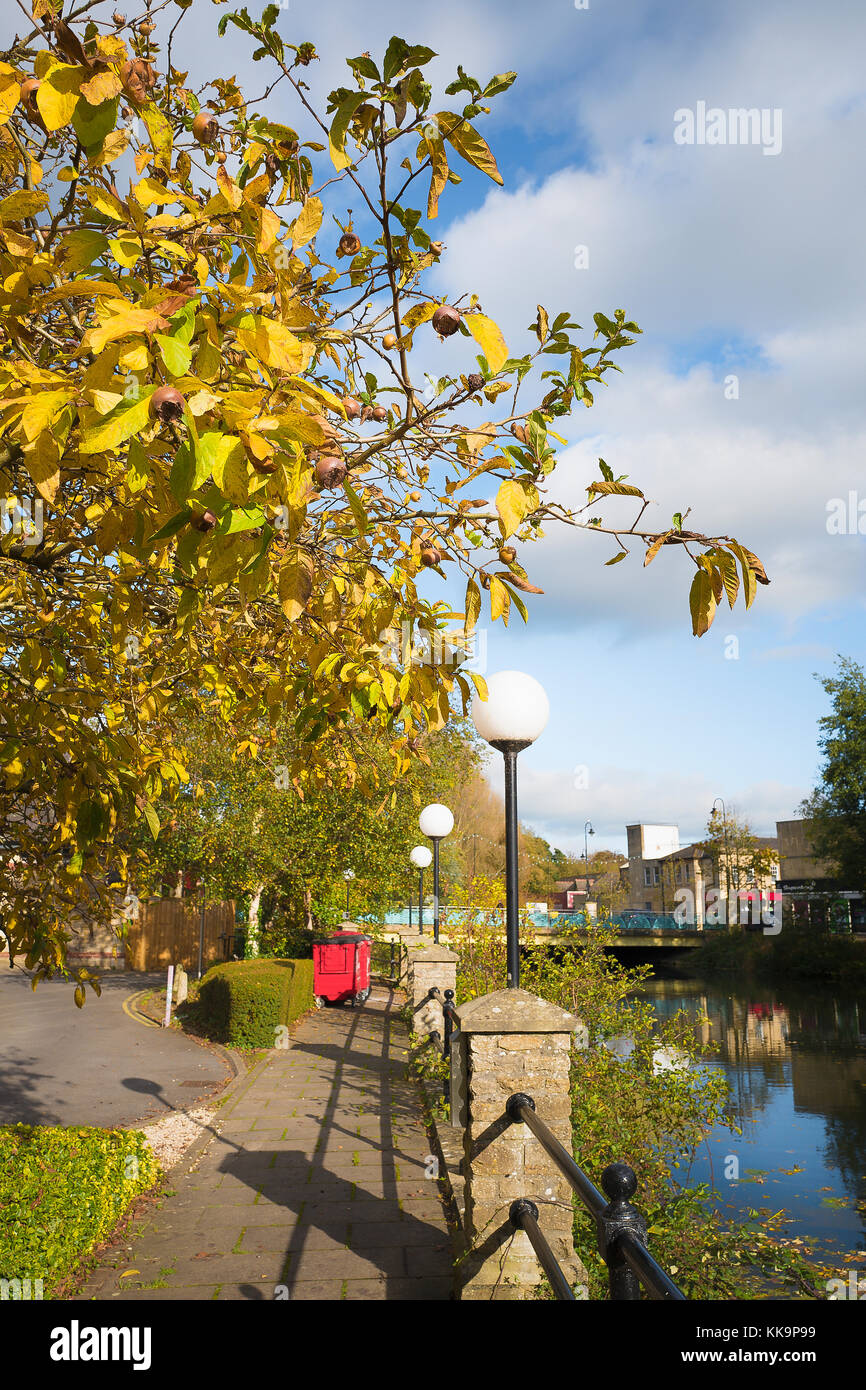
[510, 719]
[436, 821]
[587, 830]
[421, 858]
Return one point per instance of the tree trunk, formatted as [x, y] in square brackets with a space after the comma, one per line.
[253, 926]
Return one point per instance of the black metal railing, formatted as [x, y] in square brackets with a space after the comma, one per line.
[450, 1023]
[620, 1229]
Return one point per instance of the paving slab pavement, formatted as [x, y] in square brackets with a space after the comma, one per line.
[312, 1184]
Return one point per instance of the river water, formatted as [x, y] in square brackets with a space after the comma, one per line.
[795, 1061]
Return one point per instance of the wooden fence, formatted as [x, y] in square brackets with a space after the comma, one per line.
[167, 933]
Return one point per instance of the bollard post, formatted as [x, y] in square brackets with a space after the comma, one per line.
[168, 990]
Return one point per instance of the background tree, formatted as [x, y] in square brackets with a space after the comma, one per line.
[739, 859]
[206, 379]
[837, 806]
[245, 831]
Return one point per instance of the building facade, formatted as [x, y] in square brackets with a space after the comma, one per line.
[809, 886]
[660, 873]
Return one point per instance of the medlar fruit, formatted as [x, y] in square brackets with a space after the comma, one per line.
[446, 320]
[205, 128]
[330, 472]
[167, 405]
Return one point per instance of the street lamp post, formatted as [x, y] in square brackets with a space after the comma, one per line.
[510, 719]
[587, 830]
[348, 875]
[420, 857]
[436, 821]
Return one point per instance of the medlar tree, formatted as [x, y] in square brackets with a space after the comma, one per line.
[210, 392]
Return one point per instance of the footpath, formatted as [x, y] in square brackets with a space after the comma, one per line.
[311, 1182]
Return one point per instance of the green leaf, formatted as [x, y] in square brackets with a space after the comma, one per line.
[92, 123]
[171, 527]
[152, 819]
[355, 503]
[340, 126]
[241, 519]
[113, 429]
[615, 559]
[174, 353]
[181, 479]
[214, 451]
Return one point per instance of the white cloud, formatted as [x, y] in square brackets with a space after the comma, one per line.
[620, 796]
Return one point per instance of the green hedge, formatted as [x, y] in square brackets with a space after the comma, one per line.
[244, 1002]
[61, 1192]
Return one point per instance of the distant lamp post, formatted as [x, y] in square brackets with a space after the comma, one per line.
[587, 830]
[510, 719]
[436, 821]
[348, 875]
[727, 854]
[421, 858]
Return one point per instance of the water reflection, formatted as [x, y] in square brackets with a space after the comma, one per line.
[795, 1062]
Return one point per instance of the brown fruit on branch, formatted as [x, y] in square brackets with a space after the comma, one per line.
[352, 407]
[379, 413]
[29, 88]
[205, 128]
[507, 554]
[389, 341]
[446, 320]
[414, 497]
[330, 472]
[118, 18]
[437, 247]
[203, 521]
[430, 556]
[167, 405]
[475, 381]
[138, 79]
[350, 244]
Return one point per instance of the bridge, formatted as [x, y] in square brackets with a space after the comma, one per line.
[633, 930]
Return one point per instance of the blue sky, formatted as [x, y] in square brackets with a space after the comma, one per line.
[733, 262]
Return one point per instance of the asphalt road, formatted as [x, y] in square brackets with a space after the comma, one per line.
[96, 1065]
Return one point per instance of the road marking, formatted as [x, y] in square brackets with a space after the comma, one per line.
[128, 1006]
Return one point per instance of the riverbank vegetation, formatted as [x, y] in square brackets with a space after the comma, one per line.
[797, 953]
[640, 1094]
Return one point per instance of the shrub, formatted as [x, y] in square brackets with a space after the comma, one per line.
[62, 1191]
[244, 1002]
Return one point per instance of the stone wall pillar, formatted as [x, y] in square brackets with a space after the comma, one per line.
[512, 1041]
[429, 967]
